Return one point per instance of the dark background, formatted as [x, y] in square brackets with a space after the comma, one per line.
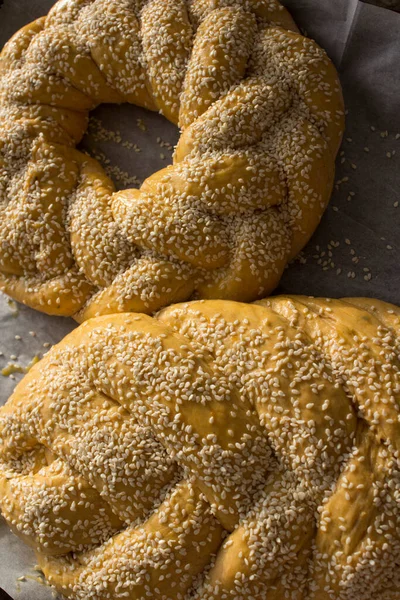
[393, 4]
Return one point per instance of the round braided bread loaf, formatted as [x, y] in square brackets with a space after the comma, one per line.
[218, 451]
[261, 113]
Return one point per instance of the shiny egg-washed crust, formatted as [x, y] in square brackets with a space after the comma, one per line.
[261, 113]
[217, 451]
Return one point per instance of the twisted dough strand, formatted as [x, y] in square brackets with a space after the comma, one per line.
[261, 114]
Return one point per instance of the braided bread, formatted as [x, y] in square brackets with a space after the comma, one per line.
[261, 114]
[219, 450]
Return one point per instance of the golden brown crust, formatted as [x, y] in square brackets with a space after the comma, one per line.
[219, 450]
[261, 113]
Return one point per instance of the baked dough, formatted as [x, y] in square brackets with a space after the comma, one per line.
[261, 114]
[218, 451]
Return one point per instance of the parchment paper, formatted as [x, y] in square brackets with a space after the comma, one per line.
[355, 251]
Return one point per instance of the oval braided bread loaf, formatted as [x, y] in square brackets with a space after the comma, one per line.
[261, 113]
[218, 451]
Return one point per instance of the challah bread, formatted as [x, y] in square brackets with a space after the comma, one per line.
[261, 114]
[219, 450]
